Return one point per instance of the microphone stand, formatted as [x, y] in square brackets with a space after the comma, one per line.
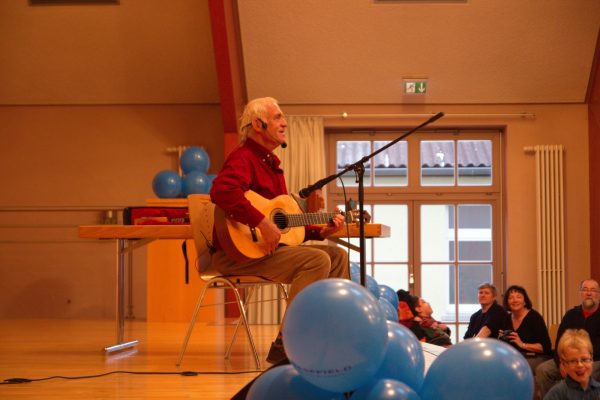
[359, 168]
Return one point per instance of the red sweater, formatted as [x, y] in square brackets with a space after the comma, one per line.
[250, 167]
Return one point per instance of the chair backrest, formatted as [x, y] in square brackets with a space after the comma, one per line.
[202, 217]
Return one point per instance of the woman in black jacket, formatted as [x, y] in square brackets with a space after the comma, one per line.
[525, 328]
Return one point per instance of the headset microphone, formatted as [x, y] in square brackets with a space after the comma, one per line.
[264, 126]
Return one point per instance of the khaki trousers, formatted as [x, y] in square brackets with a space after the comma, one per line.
[296, 265]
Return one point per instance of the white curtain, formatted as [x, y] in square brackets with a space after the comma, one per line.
[303, 163]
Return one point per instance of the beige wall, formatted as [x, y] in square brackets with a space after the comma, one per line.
[97, 155]
[61, 165]
[139, 51]
[90, 98]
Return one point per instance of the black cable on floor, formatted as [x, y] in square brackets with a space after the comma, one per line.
[13, 381]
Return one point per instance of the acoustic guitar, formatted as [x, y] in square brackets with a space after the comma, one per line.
[242, 243]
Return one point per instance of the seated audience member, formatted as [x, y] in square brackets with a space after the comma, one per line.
[488, 321]
[416, 314]
[525, 328]
[576, 357]
[584, 316]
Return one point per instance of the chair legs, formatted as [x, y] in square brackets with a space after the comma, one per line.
[191, 326]
[224, 283]
[244, 319]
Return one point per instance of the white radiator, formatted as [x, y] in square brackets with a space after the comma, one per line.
[550, 231]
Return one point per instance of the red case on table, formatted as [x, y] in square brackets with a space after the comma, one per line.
[156, 216]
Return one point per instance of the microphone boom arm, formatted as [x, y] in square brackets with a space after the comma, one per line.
[304, 193]
[359, 169]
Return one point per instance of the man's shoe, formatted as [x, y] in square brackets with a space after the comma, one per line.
[276, 353]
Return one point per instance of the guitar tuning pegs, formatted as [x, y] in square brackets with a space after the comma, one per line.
[351, 204]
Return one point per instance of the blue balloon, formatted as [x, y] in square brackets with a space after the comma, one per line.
[194, 159]
[211, 178]
[335, 334]
[384, 389]
[167, 184]
[404, 360]
[195, 182]
[284, 382]
[355, 272]
[391, 313]
[373, 286]
[479, 369]
[389, 294]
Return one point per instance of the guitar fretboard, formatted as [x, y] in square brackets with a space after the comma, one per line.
[283, 220]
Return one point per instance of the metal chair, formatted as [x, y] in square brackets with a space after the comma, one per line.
[201, 211]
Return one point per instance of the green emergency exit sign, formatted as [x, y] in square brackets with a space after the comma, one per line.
[415, 86]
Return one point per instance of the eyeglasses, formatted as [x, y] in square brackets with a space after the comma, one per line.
[574, 362]
[587, 290]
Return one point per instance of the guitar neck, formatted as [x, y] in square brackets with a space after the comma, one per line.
[304, 219]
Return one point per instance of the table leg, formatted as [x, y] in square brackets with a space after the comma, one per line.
[130, 314]
[120, 318]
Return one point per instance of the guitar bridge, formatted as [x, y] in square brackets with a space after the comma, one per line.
[254, 235]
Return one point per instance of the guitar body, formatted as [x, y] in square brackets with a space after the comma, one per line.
[244, 244]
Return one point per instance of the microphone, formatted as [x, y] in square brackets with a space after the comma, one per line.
[283, 145]
[304, 193]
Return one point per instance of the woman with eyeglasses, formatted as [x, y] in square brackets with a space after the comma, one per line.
[575, 351]
[525, 328]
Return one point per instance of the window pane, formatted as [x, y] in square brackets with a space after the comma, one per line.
[474, 162]
[391, 165]
[438, 288]
[355, 255]
[469, 278]
[437, 233]
[349, 152]
[437, 163]
[394, 248]
[475, 232]
[393, 275]
[462, 329]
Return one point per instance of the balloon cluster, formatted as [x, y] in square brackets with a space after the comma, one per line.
[341, 344]
[194, 162]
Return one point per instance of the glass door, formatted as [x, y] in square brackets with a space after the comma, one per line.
[440, 193]
[455, 255]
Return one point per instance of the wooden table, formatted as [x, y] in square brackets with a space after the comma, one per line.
[154, 232]
[131, 237]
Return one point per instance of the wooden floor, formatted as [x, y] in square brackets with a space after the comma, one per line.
[36, 349]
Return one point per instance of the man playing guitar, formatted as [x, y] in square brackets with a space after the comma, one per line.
[253, 167]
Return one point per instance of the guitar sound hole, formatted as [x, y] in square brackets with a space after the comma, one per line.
[280, 220]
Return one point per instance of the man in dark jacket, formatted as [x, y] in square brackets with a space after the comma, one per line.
[584, 316]
[490, 319]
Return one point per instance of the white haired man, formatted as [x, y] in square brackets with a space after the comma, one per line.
[253, 166]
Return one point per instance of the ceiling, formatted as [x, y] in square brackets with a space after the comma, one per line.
[470, 52]
[305, 52]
